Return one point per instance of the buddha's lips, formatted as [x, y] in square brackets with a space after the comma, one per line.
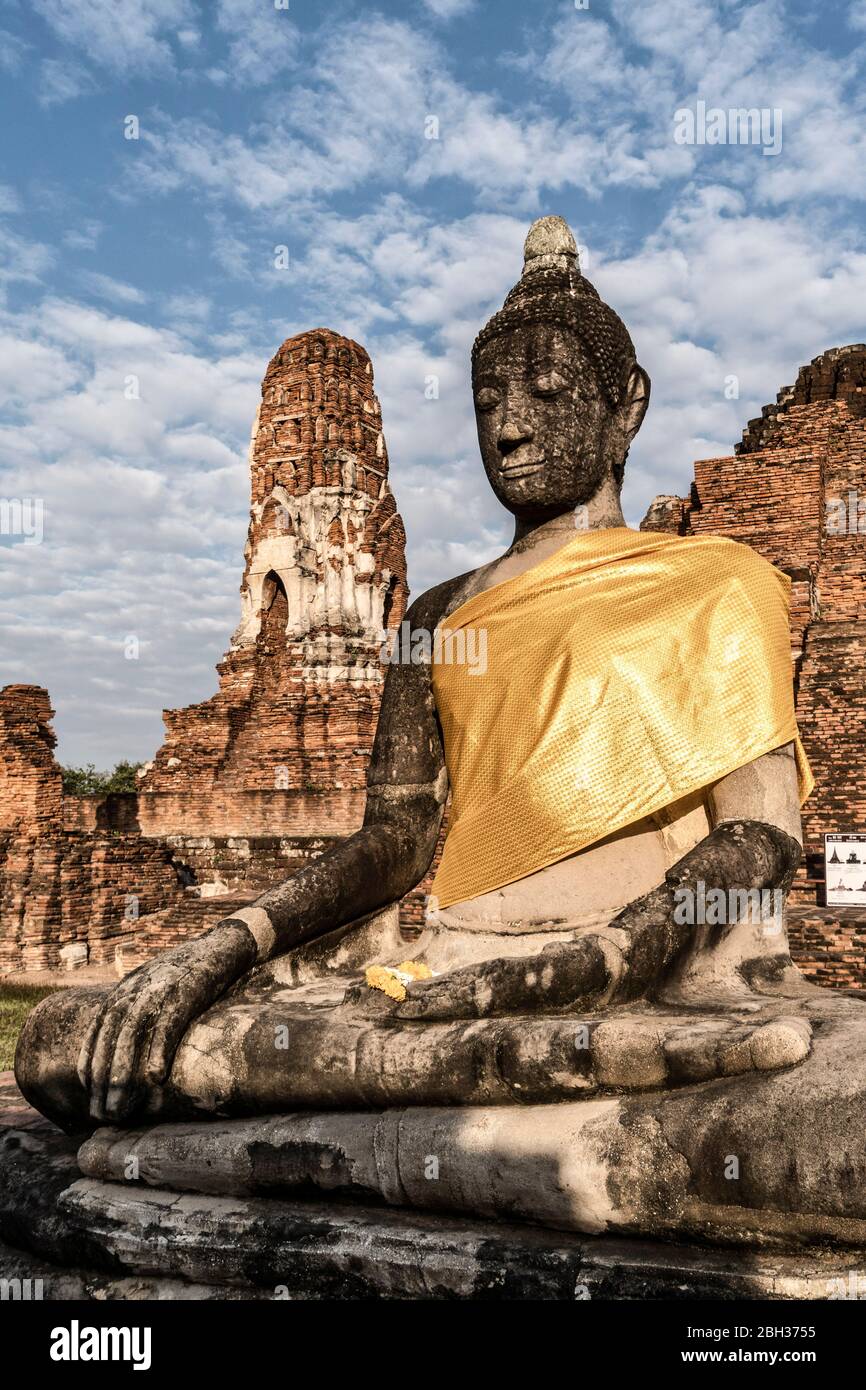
[520, 470]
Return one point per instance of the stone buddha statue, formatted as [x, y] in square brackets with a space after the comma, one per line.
[625, 755]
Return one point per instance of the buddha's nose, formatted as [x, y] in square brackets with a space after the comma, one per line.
[515, 430]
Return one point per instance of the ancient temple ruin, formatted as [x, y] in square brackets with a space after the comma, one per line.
[325, 575]
[67, 896]
[259, 779]
[254, 782]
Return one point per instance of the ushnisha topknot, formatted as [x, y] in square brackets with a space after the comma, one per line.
[552, 289]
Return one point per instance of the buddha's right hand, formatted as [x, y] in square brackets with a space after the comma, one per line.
[131, 1044]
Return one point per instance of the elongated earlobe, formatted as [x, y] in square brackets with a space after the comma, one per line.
[637, 397]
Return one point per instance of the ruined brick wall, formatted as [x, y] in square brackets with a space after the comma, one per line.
[64, 894]
[65, 899]
[31, 782]
[837, 375]
[795, 489]
[828, 944]
[229, 813]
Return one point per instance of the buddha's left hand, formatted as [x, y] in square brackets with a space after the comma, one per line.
[617, 963]
[629, 957]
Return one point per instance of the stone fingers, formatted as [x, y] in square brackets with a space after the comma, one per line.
[117, 1039]
[173, 1021]
[102, 1063]
[453, 996]
[85, 1054]
[155, 1021]
[84, 1065]
[125, 1078]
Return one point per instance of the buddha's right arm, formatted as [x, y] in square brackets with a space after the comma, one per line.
[133, 1038]
[406, 790]
[407, 786]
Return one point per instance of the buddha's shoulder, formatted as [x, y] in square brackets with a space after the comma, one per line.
[436, 603]
[715, 557]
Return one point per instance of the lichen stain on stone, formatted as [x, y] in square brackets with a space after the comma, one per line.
[657, 1184]
[305, 1167]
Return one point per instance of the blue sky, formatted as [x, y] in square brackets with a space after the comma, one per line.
[305, 127]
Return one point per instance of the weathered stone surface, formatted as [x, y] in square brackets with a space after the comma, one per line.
[653, 1162]
[24, 1278]
[125, 1241]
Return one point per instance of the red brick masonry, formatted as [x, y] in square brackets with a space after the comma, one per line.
[796, 490]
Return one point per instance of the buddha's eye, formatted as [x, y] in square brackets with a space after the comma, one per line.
[486, 398]
[549, 384]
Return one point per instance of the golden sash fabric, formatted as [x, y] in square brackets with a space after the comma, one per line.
[624, 672]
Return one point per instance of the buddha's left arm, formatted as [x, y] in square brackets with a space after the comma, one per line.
[755, 844]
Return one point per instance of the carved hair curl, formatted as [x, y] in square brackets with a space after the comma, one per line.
[566, 298]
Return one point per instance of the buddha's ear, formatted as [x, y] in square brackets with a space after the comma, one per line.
[635, 401]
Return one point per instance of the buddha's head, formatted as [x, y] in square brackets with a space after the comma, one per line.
[559, 395]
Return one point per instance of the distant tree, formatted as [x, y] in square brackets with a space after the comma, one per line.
[123, 778]
[83, 781]
[86, 781]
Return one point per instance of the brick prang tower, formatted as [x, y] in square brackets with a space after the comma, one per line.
[325, 577]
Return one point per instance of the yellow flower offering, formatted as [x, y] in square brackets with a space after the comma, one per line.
[393, 979]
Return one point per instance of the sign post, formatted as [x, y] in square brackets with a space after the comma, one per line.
[845, 870]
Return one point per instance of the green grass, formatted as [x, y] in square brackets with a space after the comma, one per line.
[16, 1001]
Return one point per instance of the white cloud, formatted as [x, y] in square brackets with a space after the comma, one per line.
[12, 51]
[61, 80]
[127, 37]
[85, 236]
[449, 9]
[355, 118]
[857, 14]
[22, 259]
[31, 371]
[263, 42]
[646, 61]
[720, 291]
[106, 287]
[188, 308]
[145, 513]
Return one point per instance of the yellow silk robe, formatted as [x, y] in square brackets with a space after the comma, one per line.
[624, 672]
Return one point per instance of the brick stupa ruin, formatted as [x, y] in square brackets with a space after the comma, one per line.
[325, 575]
[254, 782]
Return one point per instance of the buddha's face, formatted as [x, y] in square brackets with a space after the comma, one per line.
[547, 433]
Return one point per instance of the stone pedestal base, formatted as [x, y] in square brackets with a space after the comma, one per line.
[88, 1238]
[163, 1246]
